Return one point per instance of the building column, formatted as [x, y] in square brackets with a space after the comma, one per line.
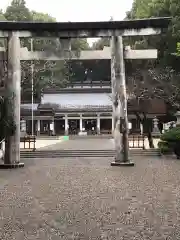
[98, 125]
[141, 127]
[53, 127]
[129, 126]
[112, 125]
[66, 125]
[178, 117]
[38, 127]
[80, 123]
[13, 100]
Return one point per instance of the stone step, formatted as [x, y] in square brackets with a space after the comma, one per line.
[85, 153]
[105, 136]
[90, 151]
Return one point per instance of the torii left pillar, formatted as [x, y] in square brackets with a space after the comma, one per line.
[13, 102]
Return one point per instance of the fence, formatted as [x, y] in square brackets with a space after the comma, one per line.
[29, 142]
[136, 141]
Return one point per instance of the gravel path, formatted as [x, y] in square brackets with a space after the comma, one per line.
[87, 199]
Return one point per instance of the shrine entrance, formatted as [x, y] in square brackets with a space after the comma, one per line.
[59, 126]
[90, 126]
[73, 125]
[106, 126]
[116, 30]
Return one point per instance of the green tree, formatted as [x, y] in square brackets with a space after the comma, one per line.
[140, 9]
[101, 43]
[46, 73]
[18, 11]
[41, 17]
[166, 42]
[2, 17]
[79, 44]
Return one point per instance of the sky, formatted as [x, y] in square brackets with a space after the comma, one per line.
[78, 10]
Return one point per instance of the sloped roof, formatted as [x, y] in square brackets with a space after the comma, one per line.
[94, 102]
[72, 102]
[28, 106]
[76, 100]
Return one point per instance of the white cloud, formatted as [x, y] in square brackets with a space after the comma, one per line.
[70, 10]
[79, 10]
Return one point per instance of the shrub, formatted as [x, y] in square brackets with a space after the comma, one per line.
[164, 147]
[172, 135]
[170, 142]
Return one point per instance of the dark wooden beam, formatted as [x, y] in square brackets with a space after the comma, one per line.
[85, 29]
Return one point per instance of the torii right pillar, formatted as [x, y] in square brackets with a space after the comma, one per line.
[119, 98]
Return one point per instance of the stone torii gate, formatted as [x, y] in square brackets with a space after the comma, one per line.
[13, 31]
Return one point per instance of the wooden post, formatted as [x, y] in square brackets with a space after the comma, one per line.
[13, 101]
[119, 103]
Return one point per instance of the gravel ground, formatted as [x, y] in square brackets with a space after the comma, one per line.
[87, 199]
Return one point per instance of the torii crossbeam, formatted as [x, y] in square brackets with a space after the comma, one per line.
[104, 54]
[116, 30]
[137, 27]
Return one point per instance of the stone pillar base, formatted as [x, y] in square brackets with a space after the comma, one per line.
[38, 133]
[98, 131]
[12, 165]
[122, 164]
[156, 134]
[66, 133]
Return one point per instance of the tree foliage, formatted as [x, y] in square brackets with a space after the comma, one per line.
[18, 11]
[163, 79]
[165, 43]
[46, 73]
[101, 43]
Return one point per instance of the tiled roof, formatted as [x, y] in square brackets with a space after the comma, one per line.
[74, 108]
[76, 100]
[28, 106]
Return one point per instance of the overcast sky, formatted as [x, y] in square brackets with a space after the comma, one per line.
[79, 10]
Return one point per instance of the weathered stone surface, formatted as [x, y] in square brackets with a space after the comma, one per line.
[88, 33]
[13, 98]
[83, 55]
[122, 164]
[11, 166]
[119, 99]
[88, 199]
[84, 29]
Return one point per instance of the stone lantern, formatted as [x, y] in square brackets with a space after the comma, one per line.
[23, 128]
[155, 132]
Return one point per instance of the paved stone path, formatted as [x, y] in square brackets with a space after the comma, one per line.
[87, 199]
[77, 144]
[87, 144]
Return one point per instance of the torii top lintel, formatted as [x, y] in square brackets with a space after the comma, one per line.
[135, 27]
